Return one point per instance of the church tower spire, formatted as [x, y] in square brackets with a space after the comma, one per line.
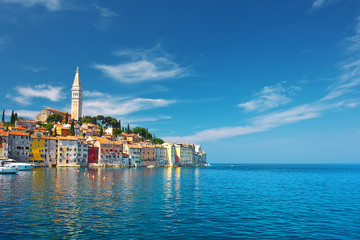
[76, 97]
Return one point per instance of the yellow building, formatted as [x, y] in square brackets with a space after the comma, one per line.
[61, 130]
[37, 150]
[185, 153]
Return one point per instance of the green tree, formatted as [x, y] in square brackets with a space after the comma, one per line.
[49, 126]
[15, 117]
[128, 131]
[54, 118]
[101, 131]
[3, 116]
[12, 118]
[120, 125]
[87, 119]
[157, 141]
[116, 131]
[66, 118]
[100, 119]
[72, 128]
[107, 121]
[30, 132]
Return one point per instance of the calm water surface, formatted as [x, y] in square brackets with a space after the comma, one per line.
[222, 201]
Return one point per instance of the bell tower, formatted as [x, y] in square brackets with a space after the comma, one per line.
[76, 97]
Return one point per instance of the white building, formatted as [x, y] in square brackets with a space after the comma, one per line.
[170, 155]
[135, 154]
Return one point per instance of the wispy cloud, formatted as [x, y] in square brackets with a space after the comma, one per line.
[317, 4]
[5, 40]
[147, 119]
[269, 97]
[52, 5]
[121, 106]
[142, 66]
[354, 41]
[105, 15]
[26, 94]
[338, 97]
[264, 122]
[34, 69]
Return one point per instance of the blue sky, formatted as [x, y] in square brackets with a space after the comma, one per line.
[253, 81]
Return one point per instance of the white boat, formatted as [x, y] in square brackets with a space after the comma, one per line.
[19, 165]
[151, 166]
[8, 169]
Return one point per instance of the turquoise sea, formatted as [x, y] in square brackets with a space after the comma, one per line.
[217, 202]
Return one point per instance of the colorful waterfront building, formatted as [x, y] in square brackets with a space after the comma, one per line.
[19, 146]
[4, 144]
[83, 151]
[93, 155]
[109, 151]
[148, 155]
[37, 150]
[125, 162]
[170, 155]
[51, 148]
[135, 154]
[184, 152]
[67, 151]
[160, 156]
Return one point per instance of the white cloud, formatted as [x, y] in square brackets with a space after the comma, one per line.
[52, 5]
[91, 94]
[269, 97]
[120, 107]
[26, 94]
[35, 69]
[145, 65]
[27, 113]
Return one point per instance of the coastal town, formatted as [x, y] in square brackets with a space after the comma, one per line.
[61, 139]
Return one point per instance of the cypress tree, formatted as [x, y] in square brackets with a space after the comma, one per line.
[72, 128]
[66, 118]
[120, 125]
[3, 116]
[15, 117]
[101, 131]
[12, 121]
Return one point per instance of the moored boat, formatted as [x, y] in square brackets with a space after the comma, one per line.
[8, 169]
[19, 165]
